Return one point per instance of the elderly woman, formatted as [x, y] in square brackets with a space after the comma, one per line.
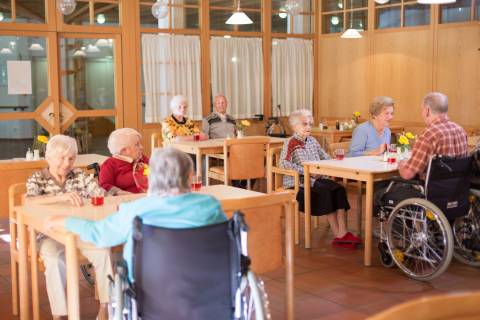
[61, 182]
[370, 137]
[327, 197]
[177, 126]
[123, 171]
[169, 204]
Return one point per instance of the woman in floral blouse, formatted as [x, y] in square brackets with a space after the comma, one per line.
[57, 183]
[177, 126]
[327, 197]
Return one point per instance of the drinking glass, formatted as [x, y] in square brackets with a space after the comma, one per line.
[196, 183]
[339, 154]
[97, 197]
[196, 137]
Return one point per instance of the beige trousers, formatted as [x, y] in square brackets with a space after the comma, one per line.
[53, 255]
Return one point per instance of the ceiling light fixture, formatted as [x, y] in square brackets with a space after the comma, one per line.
[79, 53]
[102, 43]
[92, 49]
[239, 17]
[1, 16]
[66, 6]
[101, 18]
[35, 47]
[351, 33]
[6, 51]
[282, 14]
[381, 1]
[160, 9]
[293, 7]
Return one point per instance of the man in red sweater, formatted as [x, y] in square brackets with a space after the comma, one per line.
[124, 171]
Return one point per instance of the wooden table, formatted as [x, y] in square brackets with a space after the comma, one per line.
[366, 169]
[262, 214]
[332, 135]
[19, 170]
[211, 146]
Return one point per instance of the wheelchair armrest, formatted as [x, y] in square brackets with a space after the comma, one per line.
[120, 265]
[417, 182]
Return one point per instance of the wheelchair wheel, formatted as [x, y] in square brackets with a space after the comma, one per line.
[466, 232]
[385, 258]
[419, 239]
[255, 303]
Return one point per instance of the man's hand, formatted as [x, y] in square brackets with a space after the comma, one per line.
[73, 197]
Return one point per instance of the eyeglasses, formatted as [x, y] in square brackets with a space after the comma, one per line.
[307, 124]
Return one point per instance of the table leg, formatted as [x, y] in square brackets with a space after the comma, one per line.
[22, 268]
[368, 222]
[290, 287]
[308, 229]
[73, 296]
[34, 272]
[359, 208]
[199, 163]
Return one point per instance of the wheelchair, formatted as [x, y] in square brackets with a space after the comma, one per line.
[424, 225]
[197, 273]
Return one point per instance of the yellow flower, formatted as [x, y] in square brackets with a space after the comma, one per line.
[43, 139]
[146, 170]
[403, 140]
[356, 114]
[245, 123]
[409, 135]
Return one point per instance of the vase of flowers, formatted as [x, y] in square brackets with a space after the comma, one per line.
[356, 117]
[405, 141]
[240, 126]
[40, 144]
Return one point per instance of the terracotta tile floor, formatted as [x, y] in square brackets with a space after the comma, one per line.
[330, 283]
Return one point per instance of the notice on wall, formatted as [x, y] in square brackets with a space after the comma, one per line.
[19, 75]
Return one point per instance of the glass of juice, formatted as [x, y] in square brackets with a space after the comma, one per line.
[196, 183]
[339, 154]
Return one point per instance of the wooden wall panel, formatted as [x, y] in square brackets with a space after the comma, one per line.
[403, 69]
[458, 72]
[343, 77]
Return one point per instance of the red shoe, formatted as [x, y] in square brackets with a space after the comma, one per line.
[352, 238]
[337, 242]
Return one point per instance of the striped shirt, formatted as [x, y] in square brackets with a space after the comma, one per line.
[297, 150]
[441, 137]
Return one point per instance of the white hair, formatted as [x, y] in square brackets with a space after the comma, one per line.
[170, 171]
[437, 102]
[59, 145]
[295, 116]
[176, 102]
[122, 138]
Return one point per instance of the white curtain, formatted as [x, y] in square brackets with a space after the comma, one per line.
[237, 73]
[292, 75]
[171, 66]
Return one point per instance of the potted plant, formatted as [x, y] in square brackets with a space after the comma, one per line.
[241, 125]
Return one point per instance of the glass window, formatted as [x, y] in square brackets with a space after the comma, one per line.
[147, 20]
[88, 73]
[416, 15]
[5, 11]
[192, 2]
[280, 22]
[387, 17]
[354, 4]
[359, 20]
[477, 9]
[16, 136]
[28, 49]
[106, 14]
[256, 26]
[185, 18]
[92, 134]
[81, 15]
[332, 23]
[218, 18]
[303, 24]
[332, 5]
[30, 11]
[455, 12]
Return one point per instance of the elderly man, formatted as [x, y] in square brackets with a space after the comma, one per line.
[219, 124]
[440, 137]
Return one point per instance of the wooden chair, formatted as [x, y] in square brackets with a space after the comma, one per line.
[155, 141]
[244, 160]
[461, 305]
[16, 194]
[274, 184]
[355, 184]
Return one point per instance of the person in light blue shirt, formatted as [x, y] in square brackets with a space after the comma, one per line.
[169, 204]
[370, 137]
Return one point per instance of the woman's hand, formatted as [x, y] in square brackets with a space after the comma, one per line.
[54, 223]
[377, 152]
[73, 197]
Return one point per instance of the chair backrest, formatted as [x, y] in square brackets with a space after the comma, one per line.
[463, 305]
[155, 141]
[274, 180]
[246, 157]
[16, 193]
[338, 145]
[186, 273]
[447, 184]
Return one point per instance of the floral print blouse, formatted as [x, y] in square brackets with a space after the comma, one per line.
[171, 128]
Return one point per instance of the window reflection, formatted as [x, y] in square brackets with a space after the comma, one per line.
[455, 12]
[16, 136]
[92, 134]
